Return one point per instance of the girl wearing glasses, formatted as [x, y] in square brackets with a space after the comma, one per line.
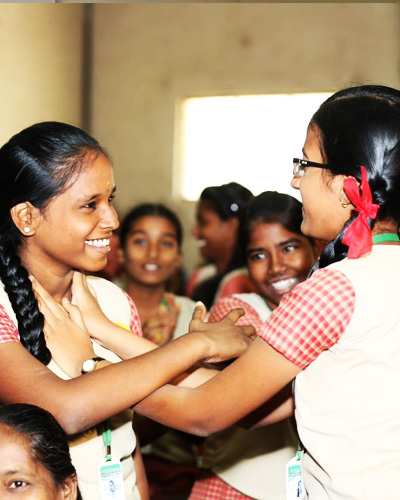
[337, 335]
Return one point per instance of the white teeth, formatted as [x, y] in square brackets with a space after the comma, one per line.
[284, 284]
[151, 267]
[98, 243]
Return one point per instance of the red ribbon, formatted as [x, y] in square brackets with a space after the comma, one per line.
[358, 235]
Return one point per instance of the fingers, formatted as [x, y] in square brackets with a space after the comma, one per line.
[39, 290]
[198, 317]
[250, 331]
[79, 279]
[47, 305]
[83, 294]
[74, 313]
[199, 312]
[234, 315]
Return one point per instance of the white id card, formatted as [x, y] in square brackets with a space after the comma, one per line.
[111, 480]
[294, 478]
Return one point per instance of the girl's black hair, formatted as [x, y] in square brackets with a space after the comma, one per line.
[47, 439]
[271, 207]
[144, 210]
[361, 126]
[228, 200]
[36, 165]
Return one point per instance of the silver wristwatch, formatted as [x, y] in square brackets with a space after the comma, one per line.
[90, 365]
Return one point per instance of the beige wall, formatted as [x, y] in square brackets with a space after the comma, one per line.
[147, 56]
[40, 65]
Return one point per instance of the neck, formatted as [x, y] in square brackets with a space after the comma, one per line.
[56, 281]
[384, 227]
[223, 262]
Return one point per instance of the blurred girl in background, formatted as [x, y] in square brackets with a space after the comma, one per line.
[151, 252]
[216, 229]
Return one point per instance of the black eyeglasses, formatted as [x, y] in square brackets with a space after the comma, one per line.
[299, 166]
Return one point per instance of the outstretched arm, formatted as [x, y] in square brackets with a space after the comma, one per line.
[84, 401]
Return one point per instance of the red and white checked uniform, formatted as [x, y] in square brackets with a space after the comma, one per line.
[236, 281]
[343, 328]
[312, 317]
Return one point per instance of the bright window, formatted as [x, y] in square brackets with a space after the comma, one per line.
[248, 139]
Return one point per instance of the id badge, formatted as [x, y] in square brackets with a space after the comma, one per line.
[111, 480]
[294, 478]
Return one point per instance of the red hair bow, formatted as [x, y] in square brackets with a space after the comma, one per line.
[358, 235]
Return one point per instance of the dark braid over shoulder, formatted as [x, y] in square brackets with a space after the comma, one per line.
[35, 166]
[18, 287]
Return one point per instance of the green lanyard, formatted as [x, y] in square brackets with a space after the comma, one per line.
[107, 438]
[382, 238]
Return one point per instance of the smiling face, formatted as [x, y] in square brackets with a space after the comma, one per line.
[151, 254]
[324, 200]
[22, 476]
[216, 237]
[277, 260]
[74, 231]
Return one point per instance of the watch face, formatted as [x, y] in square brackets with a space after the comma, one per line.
[88, 365]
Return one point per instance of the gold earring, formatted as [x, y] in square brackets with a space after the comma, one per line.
[345, 205]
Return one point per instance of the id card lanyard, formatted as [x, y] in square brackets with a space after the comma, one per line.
[294, 477]
[110, 471]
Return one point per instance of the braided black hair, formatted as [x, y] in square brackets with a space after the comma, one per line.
[36, 165]
[361, 126]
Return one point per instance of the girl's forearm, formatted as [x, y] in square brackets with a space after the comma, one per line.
[87, 400]
[123, 343]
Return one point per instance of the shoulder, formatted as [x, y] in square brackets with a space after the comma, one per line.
[113, 301]
[312, 317]
[236, 281]
[256, 302]
[103, 286]
[184, 302]
[256, 311]
[8, 329]
[6, 304]
[201, 274]
[186, 308]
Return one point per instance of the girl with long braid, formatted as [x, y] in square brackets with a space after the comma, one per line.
[337, 334]
[56, 218]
